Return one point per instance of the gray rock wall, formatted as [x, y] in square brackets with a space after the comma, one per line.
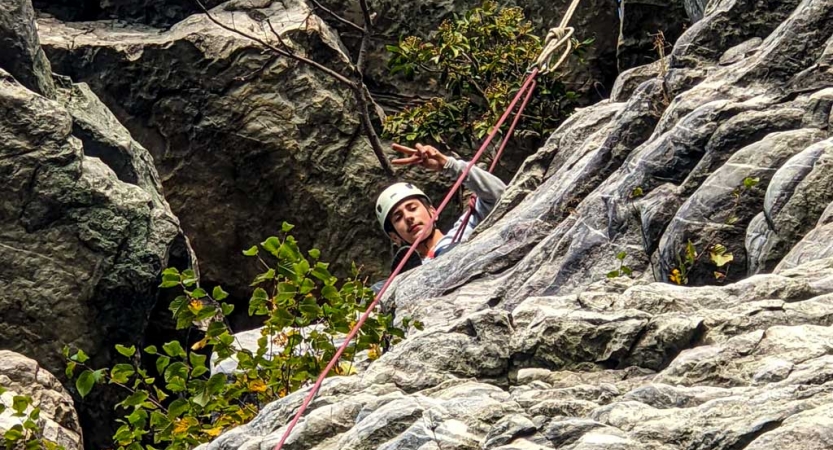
[529, 345]
[242, 140]
[20, 52]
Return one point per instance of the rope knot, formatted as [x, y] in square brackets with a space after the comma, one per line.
[557, 37]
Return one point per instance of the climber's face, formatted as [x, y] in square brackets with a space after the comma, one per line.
[409, 218]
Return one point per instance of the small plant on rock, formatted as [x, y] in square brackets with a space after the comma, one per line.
[27, 433]
[718, 253]
[177, 403]
[622, 270]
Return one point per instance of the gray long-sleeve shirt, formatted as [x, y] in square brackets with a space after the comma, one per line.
[488, 189]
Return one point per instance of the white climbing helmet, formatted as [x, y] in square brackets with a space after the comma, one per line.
[391, 196]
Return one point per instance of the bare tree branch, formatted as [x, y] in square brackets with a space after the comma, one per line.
[339, 77]
[361, 60]
[337, 17]
[360, 92]
[278, 36]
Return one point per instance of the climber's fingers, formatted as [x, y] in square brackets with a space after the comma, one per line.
[403, 149]
[409, 160]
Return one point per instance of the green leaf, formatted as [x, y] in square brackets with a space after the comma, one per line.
[750, 182]
[161, 363]
[126, 351]
[134, 399]
[189, 277]
[196, 359]
[330, 293]
[176, 385]
[621, 255]
[198, 371]
[69, 371]
[271, 245]
[265, 276]
[158, 420]
[120, 373]
[287, 227]
[719, 256]
[251, 251]
[218, 293]
[176, 370]
[151, 350]
[627, 270]
[20, 403]
[13, 435]
[85, 383]
[138, 417]
[171, 271]
[80, 357]
[307, 286]
[690, 253]
[227, 309]
[199, 293]
[613, 274]
[98, 375]
[178, 407]
[201, 398]
[320, 271]
[215, 384]
[315, 253]
[309, 307]
[169, 284]
[174, 349]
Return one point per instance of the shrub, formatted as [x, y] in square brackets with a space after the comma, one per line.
[176, 403]
[481, 59]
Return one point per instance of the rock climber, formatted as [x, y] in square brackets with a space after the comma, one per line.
[403, 210]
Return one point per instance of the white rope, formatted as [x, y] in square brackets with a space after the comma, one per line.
[557, 37]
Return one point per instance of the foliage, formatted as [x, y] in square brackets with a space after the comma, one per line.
[178, 404]
[622, 270]
[481, 59]
[27, 434]
[719, 255]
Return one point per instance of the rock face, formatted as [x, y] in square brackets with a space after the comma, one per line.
[529, 344]
[83, 242]
[242, 140]
[160, 13]
[647, 25]
[58, 421]
[20, 51]
[623, 365]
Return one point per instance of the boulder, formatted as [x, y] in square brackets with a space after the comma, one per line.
[57, 421]
[20, 51]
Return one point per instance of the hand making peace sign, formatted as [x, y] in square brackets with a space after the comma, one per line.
[423, 155]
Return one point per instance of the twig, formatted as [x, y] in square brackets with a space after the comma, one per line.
[337, 17]
[357, 87]
[277, 50]
[362, 58]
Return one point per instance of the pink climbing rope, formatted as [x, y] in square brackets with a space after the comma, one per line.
[473, 199]
[528, 83]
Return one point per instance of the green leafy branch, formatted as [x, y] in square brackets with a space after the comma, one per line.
[305, 309]
[481, 59]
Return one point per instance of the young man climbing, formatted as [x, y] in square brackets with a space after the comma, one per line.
[403, 210]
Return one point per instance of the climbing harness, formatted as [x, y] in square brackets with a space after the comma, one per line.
[556, 37]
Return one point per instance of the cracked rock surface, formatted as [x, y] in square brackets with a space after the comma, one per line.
[529, 344]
